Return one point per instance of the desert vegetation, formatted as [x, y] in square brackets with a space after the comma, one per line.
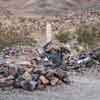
[65, 37]
[87, 35]
[10, 38]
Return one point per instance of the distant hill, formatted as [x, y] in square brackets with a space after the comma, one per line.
[45, 7]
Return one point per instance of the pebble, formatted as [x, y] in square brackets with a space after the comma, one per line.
[27, 76]
[54, 81]
[44, 80]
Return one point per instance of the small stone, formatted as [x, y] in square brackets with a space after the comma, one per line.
[40, 86]
[5, 83]
[4, 70]
[33, 85]
[9, 83]
[39, 70]
[66, 81]
[2, 80]
[27, 76]
[61, 74]
[10, 77]
[24, 63]
[54, 81]
[44, 80]
[35, 76]
[29, 85]
[21, 71]
[1, 76]
[2, 61]
[25, 85]
[16, 84]
[59, 82]
[12, 71]
[50, 74]
[29, 70]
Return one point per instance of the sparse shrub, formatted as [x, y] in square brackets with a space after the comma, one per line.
[65, 37]
[15, 32]
[10, 39]
[88, 35]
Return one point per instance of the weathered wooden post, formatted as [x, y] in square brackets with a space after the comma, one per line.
[48, 32]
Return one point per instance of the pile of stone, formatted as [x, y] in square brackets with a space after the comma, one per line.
[85, 61]
[31, 68]
[36, 68]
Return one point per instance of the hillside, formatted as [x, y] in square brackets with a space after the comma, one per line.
[45, 7]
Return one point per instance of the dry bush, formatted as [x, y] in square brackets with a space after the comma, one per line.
[10, 39]
[65, 37]
[88, 35]
[15, 32]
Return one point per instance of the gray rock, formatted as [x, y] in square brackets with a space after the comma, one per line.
[33, 85]
[4, 70]
[29, 85]
[27, 76]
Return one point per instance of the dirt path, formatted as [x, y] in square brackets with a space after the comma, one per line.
[80, 89]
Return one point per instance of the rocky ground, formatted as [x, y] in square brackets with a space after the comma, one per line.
[83, 88]
[84, 82]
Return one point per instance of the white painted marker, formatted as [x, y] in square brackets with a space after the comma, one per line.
[48, 32]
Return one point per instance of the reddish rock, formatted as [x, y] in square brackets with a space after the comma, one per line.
[40, 86]
[12, 71]
[61, 74]
[6, 82]
[44, 80]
